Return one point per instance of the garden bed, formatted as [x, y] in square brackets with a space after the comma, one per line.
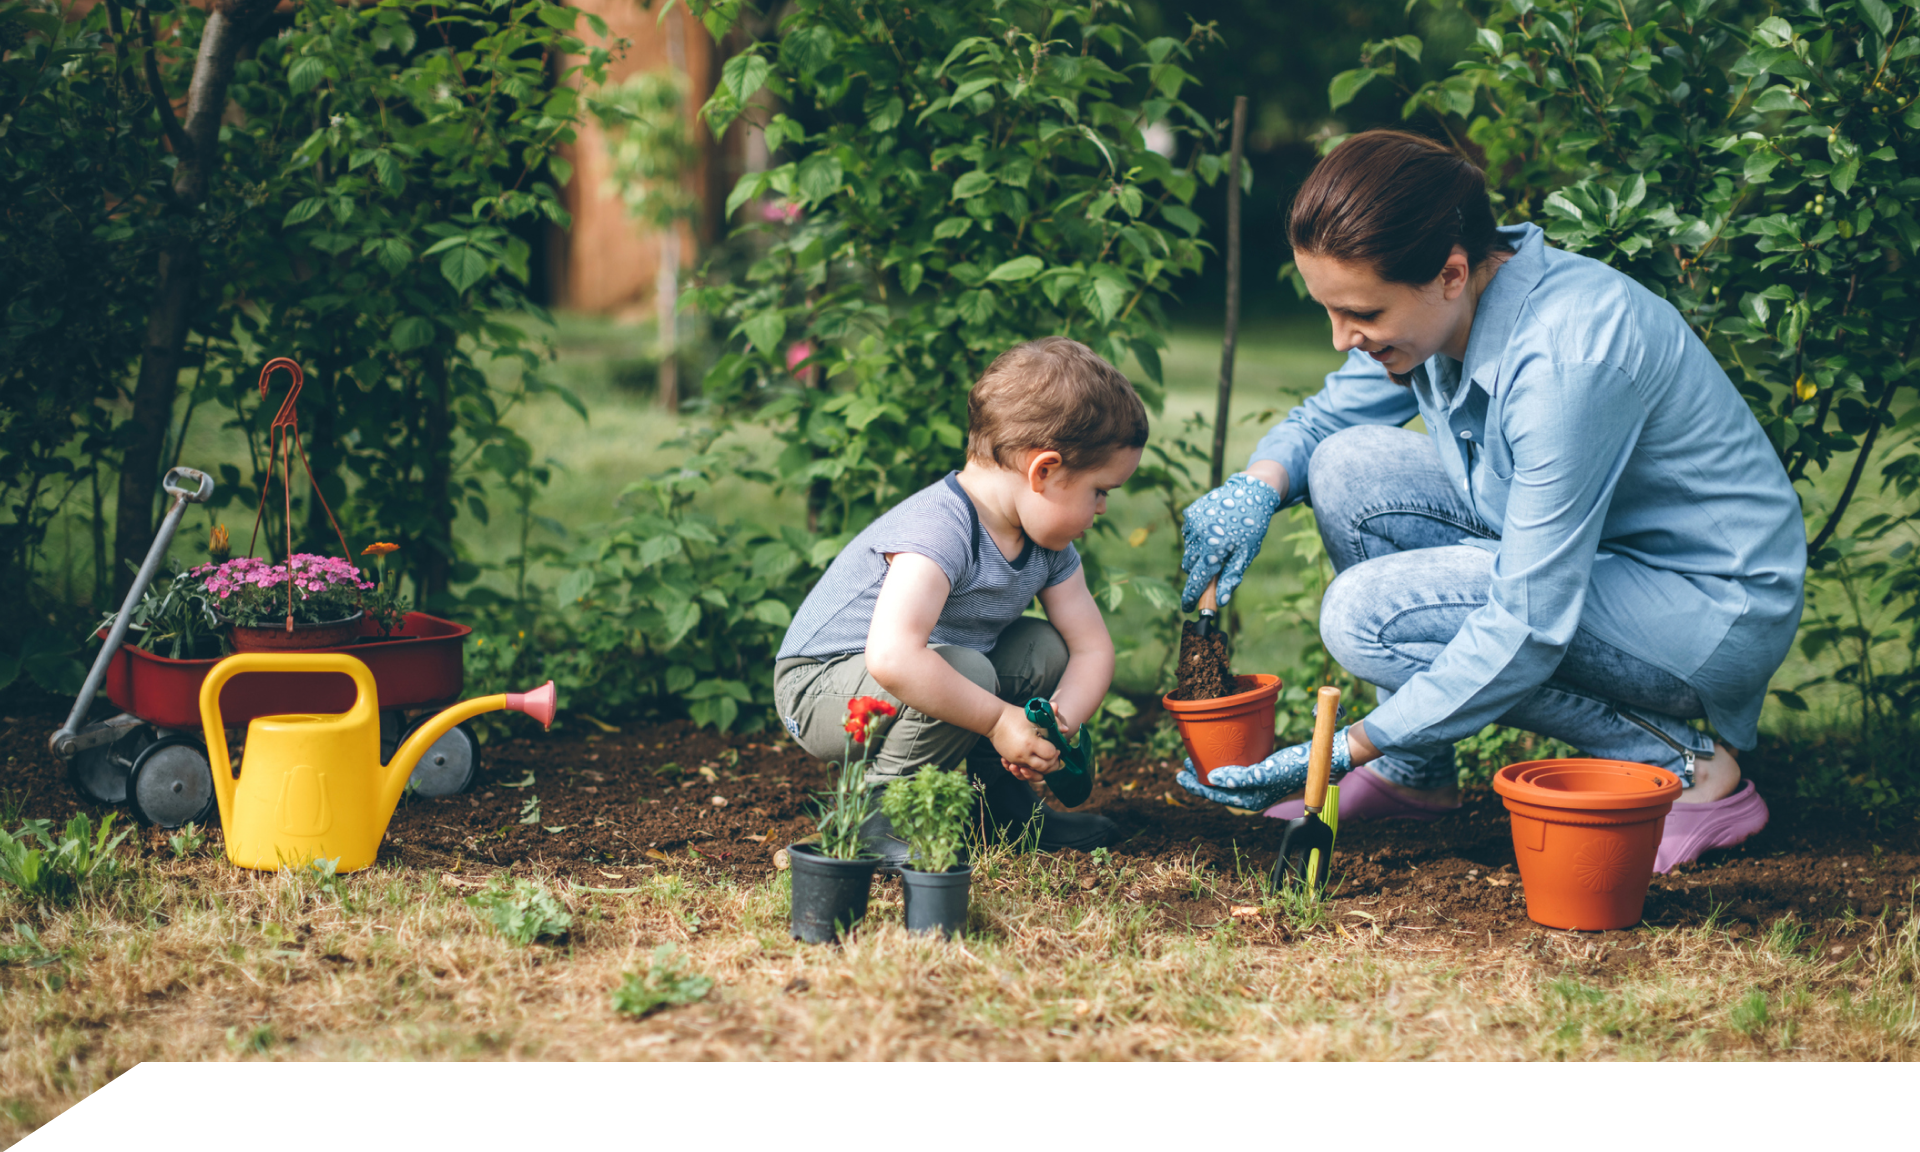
[613, 806]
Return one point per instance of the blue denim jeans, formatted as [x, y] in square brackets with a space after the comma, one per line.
[1394, 528]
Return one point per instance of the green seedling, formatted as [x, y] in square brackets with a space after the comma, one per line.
[523, 912]
[530, 810]
[929, 811]
[43, 865]
[188, 841]
[665, 984]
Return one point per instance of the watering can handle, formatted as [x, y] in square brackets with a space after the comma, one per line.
[214, 729]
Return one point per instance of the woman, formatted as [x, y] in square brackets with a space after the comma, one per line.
[1593, 541]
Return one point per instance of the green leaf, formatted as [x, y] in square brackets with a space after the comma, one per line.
[1779, 98]
[1877, 14]
[820, 176]
[1102, 297]
[972, 184]
[1347, 85]
[1184, 219]
[1019, 268]
[557, 16]
[744, 75]
[772, 612]
[304, 211]
[410, 333]
[766, 330]
[463, 267]
[952, 228]
[305, 72]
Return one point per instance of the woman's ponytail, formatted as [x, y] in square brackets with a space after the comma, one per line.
[1396, 202]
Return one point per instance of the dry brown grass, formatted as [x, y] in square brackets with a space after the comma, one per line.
[195, 960]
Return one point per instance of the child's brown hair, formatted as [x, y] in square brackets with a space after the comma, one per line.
[1053, 393]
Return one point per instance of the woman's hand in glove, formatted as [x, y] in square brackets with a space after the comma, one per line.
[1223, 532]
[1262, 785]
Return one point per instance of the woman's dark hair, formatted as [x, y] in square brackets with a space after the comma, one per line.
[1396, 202]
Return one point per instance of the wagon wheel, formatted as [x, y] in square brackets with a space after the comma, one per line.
[171, 783]
[448, 766]
[100, 772]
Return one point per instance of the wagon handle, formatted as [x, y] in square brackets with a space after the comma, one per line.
[62, 741]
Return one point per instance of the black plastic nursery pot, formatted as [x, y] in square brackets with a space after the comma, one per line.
[829, 895]
[937, 901]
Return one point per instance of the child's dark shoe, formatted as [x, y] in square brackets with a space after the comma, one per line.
[878, 839]
[1015, 815]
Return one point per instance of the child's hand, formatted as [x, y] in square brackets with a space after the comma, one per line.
[1023, 750]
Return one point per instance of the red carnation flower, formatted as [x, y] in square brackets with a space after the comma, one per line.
[861, 711]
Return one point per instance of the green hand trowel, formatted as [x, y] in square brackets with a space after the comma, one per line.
[1072, 782]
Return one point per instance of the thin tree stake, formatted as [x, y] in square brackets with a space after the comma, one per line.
[1225, 405]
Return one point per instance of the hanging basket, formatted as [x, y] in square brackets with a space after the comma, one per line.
[276, 637]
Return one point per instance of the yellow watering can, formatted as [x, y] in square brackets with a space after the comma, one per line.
[312, 787]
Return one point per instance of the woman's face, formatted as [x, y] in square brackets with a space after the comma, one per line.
[1399, 325]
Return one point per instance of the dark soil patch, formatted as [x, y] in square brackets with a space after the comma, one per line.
[612, 805]
[1205, 671]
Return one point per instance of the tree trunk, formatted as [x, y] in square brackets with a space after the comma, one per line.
[229, 28]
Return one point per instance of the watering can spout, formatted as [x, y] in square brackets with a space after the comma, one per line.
[539, 703]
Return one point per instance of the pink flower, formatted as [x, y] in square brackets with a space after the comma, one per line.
[799, 353]
[779, 211]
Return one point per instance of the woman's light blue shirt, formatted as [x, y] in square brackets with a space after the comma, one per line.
[1634, 493]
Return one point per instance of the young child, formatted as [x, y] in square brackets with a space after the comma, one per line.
[924, 608]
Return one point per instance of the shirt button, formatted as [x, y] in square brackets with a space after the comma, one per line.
[1465, 435]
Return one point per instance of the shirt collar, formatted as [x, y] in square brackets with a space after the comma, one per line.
[1499, 306]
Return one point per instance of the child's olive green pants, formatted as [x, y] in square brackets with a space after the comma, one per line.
[812, 697]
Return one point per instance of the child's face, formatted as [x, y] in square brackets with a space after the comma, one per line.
[1057, 505]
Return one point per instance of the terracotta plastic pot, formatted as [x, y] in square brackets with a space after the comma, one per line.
[1236, 729]
[276, 638]
[1585, 833]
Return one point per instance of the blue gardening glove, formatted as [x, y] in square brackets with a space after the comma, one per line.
[1262, 785]
[1224, 530]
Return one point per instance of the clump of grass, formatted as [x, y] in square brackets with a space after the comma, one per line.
[665, 984]
[523, 912]
[188, 841]
[50, 866]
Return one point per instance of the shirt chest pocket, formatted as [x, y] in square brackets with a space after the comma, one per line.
[1493, 441]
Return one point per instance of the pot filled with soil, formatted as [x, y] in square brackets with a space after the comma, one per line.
[829, 894]
[1585, 833]
[1236, 728]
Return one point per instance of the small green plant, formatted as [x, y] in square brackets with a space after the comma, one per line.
[81, 856]
[30, 951]
[523, 912]
[188, 841]
[929, 811]
[255, 1041]
[849, 803]
[530, 810]
[665, 984]
[1103, 857]
[1752, 1015]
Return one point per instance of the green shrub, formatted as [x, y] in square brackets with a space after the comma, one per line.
[955, 178]
[665, 984]
[929, 811]
[47, 865]
[522, 912]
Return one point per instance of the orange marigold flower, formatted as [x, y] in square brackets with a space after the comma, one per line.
[379, 549]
